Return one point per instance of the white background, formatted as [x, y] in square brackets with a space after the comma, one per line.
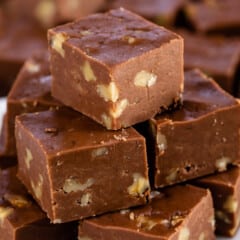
[2, 110]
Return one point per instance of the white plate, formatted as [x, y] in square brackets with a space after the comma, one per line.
[2, 111]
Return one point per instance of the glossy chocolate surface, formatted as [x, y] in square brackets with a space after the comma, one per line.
[181, 212]
[75, 168]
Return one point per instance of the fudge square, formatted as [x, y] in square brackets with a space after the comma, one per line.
[20, 216]
[198, 139]
[226, 197]
[178, 213]
[30, 93]
[75, 168]
[126, 66]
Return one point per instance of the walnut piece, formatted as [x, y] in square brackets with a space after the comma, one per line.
[72, 185]
[145, 79]
[88, 72]
[108, 92]
[139, 186]
[57, 43]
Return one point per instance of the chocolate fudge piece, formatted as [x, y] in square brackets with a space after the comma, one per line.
[181, 212]
[217, 57]
[21, 218]
[19, 39]
[50, 13]
[160, 11]
[75, 168]
[30, 93]
[226, 197]
[214, 15]
[200, 138]
[118, 62]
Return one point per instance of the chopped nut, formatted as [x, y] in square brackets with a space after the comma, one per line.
[221, 163]
[172, 175]
[131, 216]
[176, 219]
[154, 194]
[88, 72]
[28, 158]
[129, 39]
[4, 213]
[161, 142]
[107, 121]
[85, 32]
[57, 221]
[51, 130]
[120, 138]
[108, 92]
[145, 223]
[32, 67]
[184, 234]
[16, 200]
[202, 236]
[72, 185]
[222, 216]
[124, 211]
[139, 186]
[37, 189]
[57, 43]
[86, 199]
[145, 79]
[230, 205]
[119, 108]
[99, 152]
[45, 11]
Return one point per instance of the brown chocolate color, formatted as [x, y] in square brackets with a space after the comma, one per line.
[214, 15]
[75, 168]
[217, 57]
[30, 93]
[19, 39]
[21, 218]
[51, 13]
[198, 139]
[160, 11]
[224, 188]
[181, 212]
[119, 62]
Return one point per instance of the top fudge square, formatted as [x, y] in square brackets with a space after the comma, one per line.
[128, 67]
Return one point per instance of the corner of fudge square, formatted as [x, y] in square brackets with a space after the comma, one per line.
[128, 67]
[75, 168]
[200, 138]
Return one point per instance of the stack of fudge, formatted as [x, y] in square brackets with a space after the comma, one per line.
[108, 133]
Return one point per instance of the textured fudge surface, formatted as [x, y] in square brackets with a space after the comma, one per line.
[214, 15]
[75, 168]
[161, 11]
[204, 125]
[30, 93]
[118, 61]
[218, 57]
[181, 212]
[21, 217]
[105, 36]
[18, 41]
[226, 197]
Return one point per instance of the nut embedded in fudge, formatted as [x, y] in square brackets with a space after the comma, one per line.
[181, 212]
[30, 93]
[50, 13]
[21, 218]
[200, 138]
[75, 168]
[117, 68]
[226, 197]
